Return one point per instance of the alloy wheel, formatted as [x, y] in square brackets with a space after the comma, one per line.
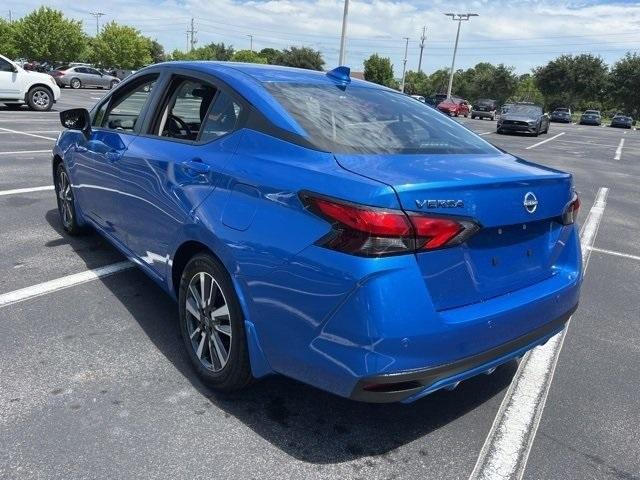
[41, 98]
[208, 321]
[65, 199]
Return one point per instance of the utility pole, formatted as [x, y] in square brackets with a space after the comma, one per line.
[422, 39]
[250, 42]
[97, 15]
[404, 62]
[456, 17]
[10, 17]
[344, 32]
[192, 32]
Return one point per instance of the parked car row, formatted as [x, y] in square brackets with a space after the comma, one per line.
[78, 76]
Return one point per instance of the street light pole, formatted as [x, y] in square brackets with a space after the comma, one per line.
[404, 62]
[344, 32]
[459, 17]
[250, 42]
[422, 39]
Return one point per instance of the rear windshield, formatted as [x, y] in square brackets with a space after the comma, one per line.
[371, 120]
[592, 112]
[485, 101]
[562, 110]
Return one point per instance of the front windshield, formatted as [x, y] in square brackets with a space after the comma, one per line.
[373, 120]
[525, 110]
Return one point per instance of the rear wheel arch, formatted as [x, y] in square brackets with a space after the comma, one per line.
[38, 85]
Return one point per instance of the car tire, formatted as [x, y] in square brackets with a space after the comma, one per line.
[75, 83]
[499, 131]
[40, 99]
[466, 115]
[113, 84]
[216, 345]
[66, 201]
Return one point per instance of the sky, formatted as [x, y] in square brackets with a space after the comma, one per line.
[518, 33]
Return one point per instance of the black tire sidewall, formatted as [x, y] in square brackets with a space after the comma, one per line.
[236, 373]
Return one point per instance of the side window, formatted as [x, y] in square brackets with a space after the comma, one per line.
[92, 71]
[5, 66]
[80, 70]
[122, 112]
[222, 119]
[185, 109]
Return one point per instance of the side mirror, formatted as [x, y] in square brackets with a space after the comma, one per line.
[77, 119]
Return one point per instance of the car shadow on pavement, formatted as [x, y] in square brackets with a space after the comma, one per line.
[304, 422]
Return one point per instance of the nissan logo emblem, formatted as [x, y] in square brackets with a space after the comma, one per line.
[530, 202]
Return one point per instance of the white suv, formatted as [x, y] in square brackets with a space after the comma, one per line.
[19, 86]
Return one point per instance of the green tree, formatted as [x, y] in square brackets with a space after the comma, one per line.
[486, 81]
[625, 84]
[156, 50]
[271, 54]
[248, 56]
[46, 35]
[8, 46]
[439, 80]
[301, 57]
[379, 70]
[527, 90]
[417, 83]
[121, 46]
[211, 51]
[577, 81]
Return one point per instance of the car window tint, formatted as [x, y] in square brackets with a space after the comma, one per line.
[92, 71]
[123, 111]
[371, 120]
[186, 107]
[5, 66]
[222, 119]
[80, 70]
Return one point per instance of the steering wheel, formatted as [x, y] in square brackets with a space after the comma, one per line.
[182, 125]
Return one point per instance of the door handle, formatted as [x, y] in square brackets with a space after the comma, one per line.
[196, 166]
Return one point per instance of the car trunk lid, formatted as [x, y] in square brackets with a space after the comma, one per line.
[516, 246]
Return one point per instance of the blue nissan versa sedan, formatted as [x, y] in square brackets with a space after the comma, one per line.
[321, 227]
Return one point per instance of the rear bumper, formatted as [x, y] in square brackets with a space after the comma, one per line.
[483, 114]
[412, 385]
[589, 122]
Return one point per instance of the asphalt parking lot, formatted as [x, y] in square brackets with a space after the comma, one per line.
[94, 382]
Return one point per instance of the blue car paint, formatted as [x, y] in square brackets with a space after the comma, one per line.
[323, 317]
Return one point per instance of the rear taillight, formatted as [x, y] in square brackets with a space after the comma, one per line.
[371, 231]
[56, 73]
[571, 210]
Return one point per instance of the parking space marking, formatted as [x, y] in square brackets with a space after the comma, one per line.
[616, 254]
[25, 190]
[8, 130]
[33, 131]
[62, 282]
[485, 133]
[19, 152]
[506, 449]
[544, 141]
[619, 150]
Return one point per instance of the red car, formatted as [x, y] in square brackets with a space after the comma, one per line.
[454, 107]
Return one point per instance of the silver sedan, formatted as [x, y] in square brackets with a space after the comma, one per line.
[83, 76]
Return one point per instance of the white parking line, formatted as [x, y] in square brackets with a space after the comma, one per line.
[619, 150]
[33, 131]
[485, 133]
[506, 449]
[20, 152]
[25, 190]
[545, 141]
[616, 254]
[8, 130]
[62, 282]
